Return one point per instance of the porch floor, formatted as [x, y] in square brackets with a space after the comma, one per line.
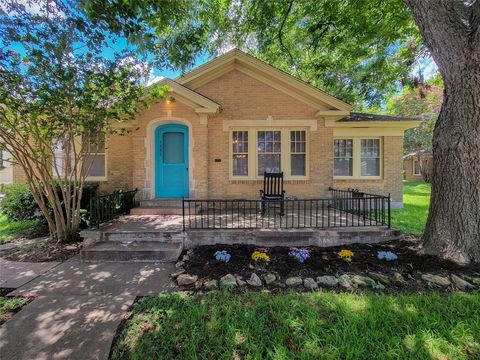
[291, 220]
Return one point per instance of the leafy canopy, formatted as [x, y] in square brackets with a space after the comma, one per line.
[423, 101]
[60, 91]
[359, 51]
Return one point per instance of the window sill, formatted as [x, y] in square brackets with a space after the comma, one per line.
[363, 178]
[96, 178]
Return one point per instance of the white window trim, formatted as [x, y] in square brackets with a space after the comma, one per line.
[90, 178]
[357, 158]
[413, 168]
[100, 178]
[253, 154]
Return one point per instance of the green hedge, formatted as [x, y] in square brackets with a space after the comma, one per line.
[18, 203]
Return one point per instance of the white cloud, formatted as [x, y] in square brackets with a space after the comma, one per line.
[154, 79]
[37, 7]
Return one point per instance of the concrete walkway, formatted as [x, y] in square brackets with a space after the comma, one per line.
[14, 274]
[78, 309]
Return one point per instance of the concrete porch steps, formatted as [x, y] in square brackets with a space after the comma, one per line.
[156, 211]
[133, 251]
[158, 207]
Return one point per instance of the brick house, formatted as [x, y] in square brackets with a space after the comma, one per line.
[418, 166]
[228, 121]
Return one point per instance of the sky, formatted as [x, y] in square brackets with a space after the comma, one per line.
[425, 66]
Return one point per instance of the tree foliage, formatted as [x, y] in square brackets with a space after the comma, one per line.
[59, 92]
[359, 51]
[423, 101]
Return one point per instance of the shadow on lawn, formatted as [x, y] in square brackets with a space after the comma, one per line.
[290, 325]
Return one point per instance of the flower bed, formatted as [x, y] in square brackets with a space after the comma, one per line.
[347, 267]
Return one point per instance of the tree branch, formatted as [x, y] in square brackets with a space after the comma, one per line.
[280, 32]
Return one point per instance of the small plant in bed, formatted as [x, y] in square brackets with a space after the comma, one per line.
[346, 255]
[300, 255]
[258, 256]
[222, 256]
[387, 255]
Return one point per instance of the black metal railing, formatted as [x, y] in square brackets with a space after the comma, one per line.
[344, 209]
[367, 207]
[107, 207]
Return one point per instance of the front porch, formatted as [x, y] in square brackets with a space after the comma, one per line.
[345, 218]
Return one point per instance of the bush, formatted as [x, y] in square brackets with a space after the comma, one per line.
[18, 203]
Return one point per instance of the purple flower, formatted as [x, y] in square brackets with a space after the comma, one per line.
[299, 255]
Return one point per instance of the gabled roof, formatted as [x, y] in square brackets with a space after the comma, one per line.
[327, 105]
[201, 103]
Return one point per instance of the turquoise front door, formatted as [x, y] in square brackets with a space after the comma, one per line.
[171, 161]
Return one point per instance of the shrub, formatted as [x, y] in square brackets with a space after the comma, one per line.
[19, 204]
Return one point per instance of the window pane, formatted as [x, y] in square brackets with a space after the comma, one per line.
[343, 161]
[97, 165]
[173, 148]
[240, 165]
[370, 157]
[268, 163]
[240, 153]
[370, 167]
[342, 167]
[298, 164]
[416, 170]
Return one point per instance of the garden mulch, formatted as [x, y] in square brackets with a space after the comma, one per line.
[325, 261]
[41, 251]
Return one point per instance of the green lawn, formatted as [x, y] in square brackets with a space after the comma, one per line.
[10, 230]
[412, 218]
[8, 305]
[321, 325]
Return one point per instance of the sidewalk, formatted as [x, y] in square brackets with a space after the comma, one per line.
[78, 309]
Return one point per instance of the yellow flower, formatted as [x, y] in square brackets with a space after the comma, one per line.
[260, 256]
[346, 255]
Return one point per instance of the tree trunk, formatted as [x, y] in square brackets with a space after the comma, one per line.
[451, 32]
[453, 226]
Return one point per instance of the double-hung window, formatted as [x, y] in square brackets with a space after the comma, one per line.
[269, 149]
[357, 158]
[343, 157]
[256, 151]
[240, 153]
[370, 157]
[298, 153]
[95, 158]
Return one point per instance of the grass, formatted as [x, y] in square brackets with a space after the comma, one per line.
[287, 325]
[11, 230]
[416, 200]
[9, 305]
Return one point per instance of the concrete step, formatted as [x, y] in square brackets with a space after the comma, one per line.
[168, 210]
[161, 203]
[148, 251]
[127, 237]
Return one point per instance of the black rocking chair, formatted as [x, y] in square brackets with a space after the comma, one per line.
[272, 191]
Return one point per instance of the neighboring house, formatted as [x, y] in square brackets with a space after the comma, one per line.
[230, 120]
[6, 169]
[418, 165]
